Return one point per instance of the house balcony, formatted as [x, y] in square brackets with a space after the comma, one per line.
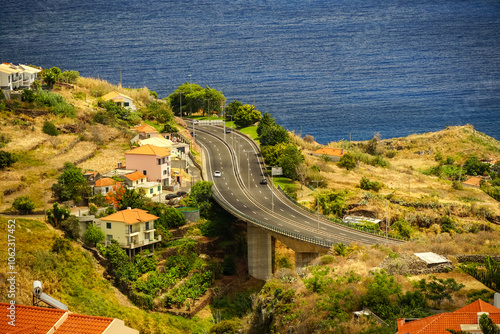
[132, 245]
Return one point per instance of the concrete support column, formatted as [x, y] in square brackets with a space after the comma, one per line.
[302, 259]
[259, 252]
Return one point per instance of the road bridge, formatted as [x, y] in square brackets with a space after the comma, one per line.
[268, 212]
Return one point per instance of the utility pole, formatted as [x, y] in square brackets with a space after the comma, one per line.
[317, 196]
[180, 103]
[386, 221]
[409, 187]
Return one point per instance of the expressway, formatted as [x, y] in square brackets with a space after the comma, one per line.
[241, 168]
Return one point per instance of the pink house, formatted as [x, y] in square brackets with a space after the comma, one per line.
[152, 161]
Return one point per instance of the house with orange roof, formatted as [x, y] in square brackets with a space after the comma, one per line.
[134, 229]
[465, 319]
[120, 99]
[333, 153]
[474, 182]
[152, 161]
[42, 320]
[105, 185]
[137, 180]
[146, 131]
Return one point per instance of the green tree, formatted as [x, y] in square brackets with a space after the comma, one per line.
[473, 166]
[49, 128]
[246, 116]
[272, 154]
[191, 98]
[71, 185]
[200, 197]
[28, 95]
[50, 76]
[24, 204]
[487, 325]
[348, 161]
[93, 235]
[159, 111]
[57, 215]
[291, 157]
[332, 202]
[133, 198]
[273, 134]
[366, 184]
[439, 289]
[487, 273]
[6, 159]
[381, 292]
[266, 120]
[232, 109]
[371, 146]
[402, 228]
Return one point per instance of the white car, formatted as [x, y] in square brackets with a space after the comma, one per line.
[217, 173]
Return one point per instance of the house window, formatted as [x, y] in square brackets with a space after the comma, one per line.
[151, 190]
[146, 236]
[130, 229]
[158, 188]
[163, 159]
[147, 226]
[165, 172]
[127, 104]
[107, 189]
[108, 226]
[159, 161]
[109, 237]
[144, 172]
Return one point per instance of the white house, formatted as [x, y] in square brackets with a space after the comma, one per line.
[121, 100]
[132, 228]
[11, 77]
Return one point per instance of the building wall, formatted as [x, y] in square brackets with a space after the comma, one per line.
[148, 163]
[118, 231]
[4, 79]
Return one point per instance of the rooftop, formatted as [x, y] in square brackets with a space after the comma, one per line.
[104, 182]
[150, 150]
[135, 176]
[145, 128]
[130, 216]
[114, 95]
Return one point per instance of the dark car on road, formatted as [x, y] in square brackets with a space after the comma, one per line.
[228, 131]
[181, 193]
[170, 196]
[263, 181]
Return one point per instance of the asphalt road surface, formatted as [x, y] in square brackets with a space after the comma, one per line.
[239, 186]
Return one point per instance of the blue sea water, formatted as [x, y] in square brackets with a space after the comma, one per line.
[331, 69]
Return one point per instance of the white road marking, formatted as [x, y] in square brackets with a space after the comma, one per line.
[322, 228]
[297, 231]
[237, 200]
[292, 216]
[342, 233]
[254, 212]
[266, 218]
[280, 224]
[282, 210]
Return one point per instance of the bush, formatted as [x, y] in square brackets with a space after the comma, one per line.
[24, 205]
[49, 128]
[6, 159]
[366, 184]
[93, 235]
[457, 185]
[347, 161]
[226, 327]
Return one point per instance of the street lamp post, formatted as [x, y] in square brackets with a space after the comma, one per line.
[317, 196]
[180, 103]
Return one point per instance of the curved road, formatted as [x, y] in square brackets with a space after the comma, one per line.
[236, 157]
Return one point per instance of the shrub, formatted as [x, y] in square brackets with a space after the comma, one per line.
[457, 185]
[92, 208]
[226, 327]
[6, 159]
[49, 128]
[391, 154]
[93, 235]
[366, 184]
[229, 266]
[347, 161]
[24, 205]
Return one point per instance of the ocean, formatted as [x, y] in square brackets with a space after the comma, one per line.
[335, 69]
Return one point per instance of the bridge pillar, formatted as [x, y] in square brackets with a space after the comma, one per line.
[302, 259]
[259, 252]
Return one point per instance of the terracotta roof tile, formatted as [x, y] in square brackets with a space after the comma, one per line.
[330, 151]
[130, 216]
[145, 128]
[104, 182]
[150, 150]
[84, 324]
[29, 316]
[135, 176]
[439, 323]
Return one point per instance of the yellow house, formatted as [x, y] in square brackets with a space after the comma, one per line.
[132, 228]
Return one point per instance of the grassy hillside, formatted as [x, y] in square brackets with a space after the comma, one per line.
[71, 275]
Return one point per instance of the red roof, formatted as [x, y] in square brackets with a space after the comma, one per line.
[135, 176]
[439, 323]
[29, 316]
[145, 128]
[130, 216]
[104, 182]
[41, 320]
